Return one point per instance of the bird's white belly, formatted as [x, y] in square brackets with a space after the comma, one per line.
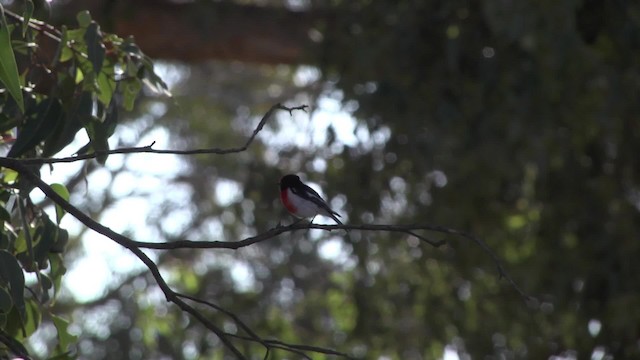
[303, 207]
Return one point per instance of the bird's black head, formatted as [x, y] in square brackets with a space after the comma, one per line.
[288, 181]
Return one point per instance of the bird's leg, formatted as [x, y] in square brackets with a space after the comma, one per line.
[297, 221]
[311, 222]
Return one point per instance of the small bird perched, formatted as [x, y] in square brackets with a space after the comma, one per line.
[302, 201]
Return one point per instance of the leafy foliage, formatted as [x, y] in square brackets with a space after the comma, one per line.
[57, 84]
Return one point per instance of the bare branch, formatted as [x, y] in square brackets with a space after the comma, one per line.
[233, 316]
[124, 241]
[280, 229]
[170, 295]
[149, 148]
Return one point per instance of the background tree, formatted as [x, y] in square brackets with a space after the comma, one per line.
[513, 121]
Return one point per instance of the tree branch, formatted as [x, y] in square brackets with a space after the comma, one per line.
[280, 229]
[22, 167]
[170, 295]
[149, 149]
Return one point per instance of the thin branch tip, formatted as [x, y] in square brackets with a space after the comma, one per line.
[149, 148]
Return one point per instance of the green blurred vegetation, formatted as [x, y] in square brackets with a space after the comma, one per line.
[516, 121]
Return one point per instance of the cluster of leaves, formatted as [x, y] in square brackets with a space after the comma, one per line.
[56, 83]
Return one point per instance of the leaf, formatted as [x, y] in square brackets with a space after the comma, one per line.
[95, 48]
[152, 79]
[47, 238]
[66, 356]
[61, 135]
[20, 245]
[61, 241]
[99, 135]
[84, 18]
[8, 68]
[132, 87]
[4, 214]
[64, 193]
[83, 107]
[26, 14]
[106, 86]
[46, 281]
[11, 273]
[5, 300]
[64, 51]
[57, 271]
[46, 284]
[40, 123]
[64, 338]
[9, 176]
[15, 346]
[34, 317]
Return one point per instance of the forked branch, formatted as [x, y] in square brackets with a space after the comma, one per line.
[22, 166]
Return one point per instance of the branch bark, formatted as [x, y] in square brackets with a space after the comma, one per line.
[195, 31]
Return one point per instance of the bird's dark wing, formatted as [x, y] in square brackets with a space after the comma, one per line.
[308, 193]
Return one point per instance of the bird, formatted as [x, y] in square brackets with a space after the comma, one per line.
[302, 201]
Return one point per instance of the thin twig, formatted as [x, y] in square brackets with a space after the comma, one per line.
[38, 25]
[233, 316]
[149, 148]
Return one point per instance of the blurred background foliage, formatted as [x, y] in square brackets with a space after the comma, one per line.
[517, 121]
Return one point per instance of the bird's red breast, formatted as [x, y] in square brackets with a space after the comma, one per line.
[284, 197]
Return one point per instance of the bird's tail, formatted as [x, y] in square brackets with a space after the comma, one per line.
[334, 215]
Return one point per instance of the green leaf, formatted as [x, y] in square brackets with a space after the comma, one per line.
[11, 273]
[106, 86]
[61, 241]
[8, 68]
[20, 245]
[64, 51]
[4, 214]
[79, 74]
[64, 338]
[132, 87]
[9, 176]
[30, 134]
[47, 237]
[64, 193]
[61, 135]
[99, 135]
[15, 345]
[46, 284]
[26, 14]
[46, 281]
[34, 317]
[157, 84]
[83, 107]
[65, 356]
[5, 300]
[39, 125]
[95, 48]
[84, 18]
[56, 271]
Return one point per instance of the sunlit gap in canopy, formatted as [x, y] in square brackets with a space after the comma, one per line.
[139, 192]
[105, 263]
